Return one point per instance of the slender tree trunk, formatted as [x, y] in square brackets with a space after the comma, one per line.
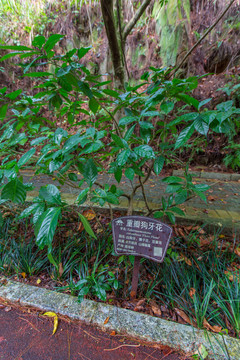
[115, 48]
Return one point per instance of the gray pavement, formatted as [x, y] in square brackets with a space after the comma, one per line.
[222, 209]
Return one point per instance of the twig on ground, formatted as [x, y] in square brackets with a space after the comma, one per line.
[29, 323]
[118, 347]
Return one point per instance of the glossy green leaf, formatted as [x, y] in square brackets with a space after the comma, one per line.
[204, 102]
[93, 105]
[84, 87]
[158, 164]
[52, 41]
[90, 172]
[38, 74]
[38, 212]
[118, 141]
[158, 214]
[15, 47]
[10, 55]
[54, 165]
[118, 174]
[171, 217]
[130, 173]
[71, 143]
[122, 158]
[144, 151]
[127, 120]
[38, 140]
[38, 41]
[201, 195]
[28, 211]
[50, 194]
[73, 177]
[59, 135]
[202, 187]
[47, 227]
[26, 157]
[146, 125]
[181, 197]
[189, 100]
[178, 211]
[83, 51]
[111, 93]
[87, 226]
[184, 136]
[201, 126]
[3, 111]
[14, 94]
[82, 197]
[14, 191]
[167, 107]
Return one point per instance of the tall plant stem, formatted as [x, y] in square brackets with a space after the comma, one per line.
[134, 19]
[201, 39]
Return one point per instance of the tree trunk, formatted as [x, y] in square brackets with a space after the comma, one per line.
[115, 48]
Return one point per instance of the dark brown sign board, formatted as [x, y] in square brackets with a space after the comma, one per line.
[141, 236]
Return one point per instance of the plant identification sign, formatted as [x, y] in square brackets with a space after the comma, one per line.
[141, 236]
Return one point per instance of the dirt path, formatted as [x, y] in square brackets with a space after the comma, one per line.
[26, 335]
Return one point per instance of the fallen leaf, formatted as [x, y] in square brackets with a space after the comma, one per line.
[55, 322]
[232, 274]
[156, 310]
[192, 292]
[214, 328]
[211, 198]
[113, 333]
[89, 214]
[138, 308]
[81, 227]
[38, 281]
[181, 232]
[140, 302]
[8, 308]
[60, 269]
[221, 236]
[204, 242]
[106, 321]
[237, 251]
[187, 261]
[23, 275]
[185, 317]
[201, 352]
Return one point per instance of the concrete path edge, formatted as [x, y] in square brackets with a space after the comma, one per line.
[136, 325]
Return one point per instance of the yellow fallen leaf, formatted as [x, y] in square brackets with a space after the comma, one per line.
[38, 281]
[55, 322]
[89, 214]
[23, 275]
[106, 321]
